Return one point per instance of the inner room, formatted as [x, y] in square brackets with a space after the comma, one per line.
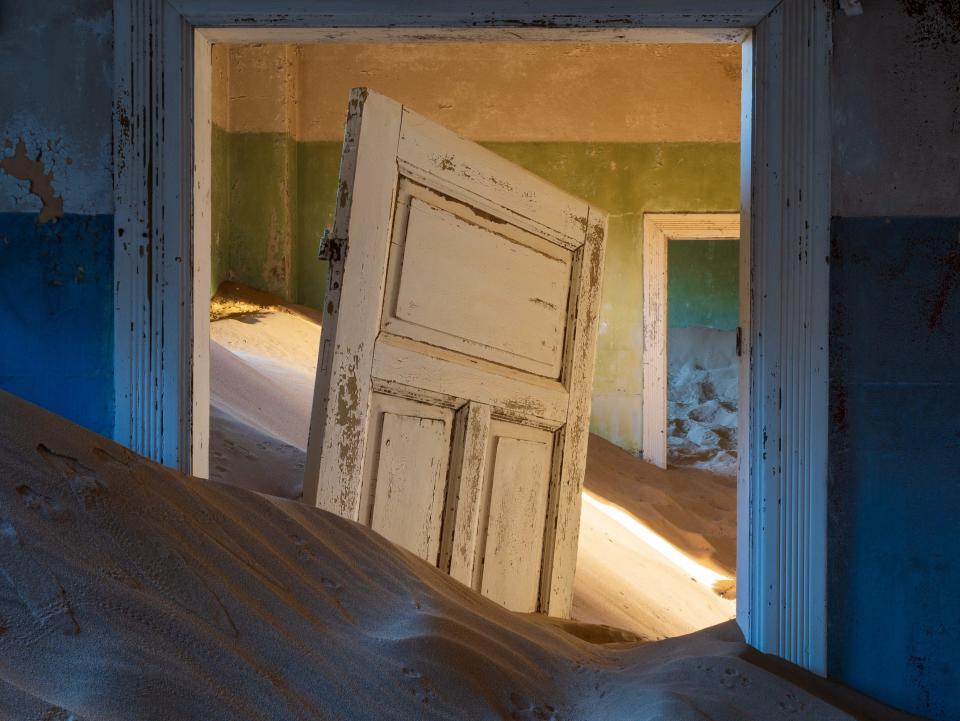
[648, 132]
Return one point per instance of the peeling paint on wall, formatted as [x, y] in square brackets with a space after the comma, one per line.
[56, 71]
[22, 167]
[937, 21]
[56, 207]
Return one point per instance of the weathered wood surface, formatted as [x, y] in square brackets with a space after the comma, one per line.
[513, 545]
[563, 529]
[522, 198]
[420, 407]
[457, 360]
[344, 381]
[467, 468]
[410, 482]
[399, 359]
[446, 296]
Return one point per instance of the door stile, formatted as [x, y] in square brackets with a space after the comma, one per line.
[560, 554]
[362, 240]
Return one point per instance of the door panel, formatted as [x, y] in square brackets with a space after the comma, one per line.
[452, 399]
[405, 469]
[455, 375]
[444, 297]
[409, 484]
[519, 473]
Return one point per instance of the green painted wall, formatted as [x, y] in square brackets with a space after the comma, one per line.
[318, 177]
[254, 227]
[280, 196]
[703, 279]
[272, 197]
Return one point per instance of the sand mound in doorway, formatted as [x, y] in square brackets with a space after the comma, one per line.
[262, 366]
[130, 591]
[702, 391]
[694, 510]
[657, 548]
[252, 459]
[263, 360]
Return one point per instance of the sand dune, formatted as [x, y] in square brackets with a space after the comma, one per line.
[261, 369]
[132, 592]
[275, 402]
[253, 459]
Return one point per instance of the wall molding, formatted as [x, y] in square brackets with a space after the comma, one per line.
[785, 230]
[782, 488]
[658, 230]
[152, 239]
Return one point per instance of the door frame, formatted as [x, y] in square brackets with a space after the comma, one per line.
[162, 286]
[658, 230]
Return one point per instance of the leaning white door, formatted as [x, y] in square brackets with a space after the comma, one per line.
[452, 401]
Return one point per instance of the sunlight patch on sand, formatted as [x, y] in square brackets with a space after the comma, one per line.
[701, 574]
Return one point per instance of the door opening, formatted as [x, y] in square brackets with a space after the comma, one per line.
[468, 305]
[682, 367]
[162, 310]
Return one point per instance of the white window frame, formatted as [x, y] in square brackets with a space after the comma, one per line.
[658, 230]
[162, 285]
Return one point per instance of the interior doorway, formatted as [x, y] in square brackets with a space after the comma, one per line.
[669, 137]
[161, 309]
[669, 368]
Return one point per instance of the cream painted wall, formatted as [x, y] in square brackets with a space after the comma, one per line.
[503, 92]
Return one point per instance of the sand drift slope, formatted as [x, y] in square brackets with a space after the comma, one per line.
[262, 364]
[129, 591]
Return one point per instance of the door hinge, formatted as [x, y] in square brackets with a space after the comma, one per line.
[330, 249]
[739, 341]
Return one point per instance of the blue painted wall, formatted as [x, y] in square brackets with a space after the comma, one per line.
[56, 314]
[895, 460]
[56, 302]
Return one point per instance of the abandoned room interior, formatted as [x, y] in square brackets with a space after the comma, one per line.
[277, 115]
[478, 361]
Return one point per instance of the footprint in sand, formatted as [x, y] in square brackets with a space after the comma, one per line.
[332, 585]
[791, 704]
[525, 710]
[87, 488]
[421, 689]
[49, 508]
[731, 679]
